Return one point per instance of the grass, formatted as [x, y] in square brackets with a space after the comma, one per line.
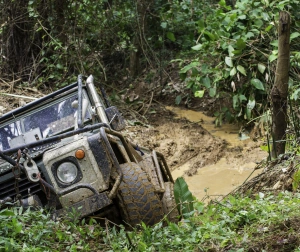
[266, 223]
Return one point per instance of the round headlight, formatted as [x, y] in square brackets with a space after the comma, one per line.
[67, 172]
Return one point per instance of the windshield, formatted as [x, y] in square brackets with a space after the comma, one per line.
[43, 123]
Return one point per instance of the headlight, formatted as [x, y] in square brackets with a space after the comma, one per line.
[67, 172]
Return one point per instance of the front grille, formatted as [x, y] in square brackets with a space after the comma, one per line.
[7, 187]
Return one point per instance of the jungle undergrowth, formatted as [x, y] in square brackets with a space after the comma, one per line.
[234, 224]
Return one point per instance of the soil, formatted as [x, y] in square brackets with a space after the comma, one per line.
[208, 157]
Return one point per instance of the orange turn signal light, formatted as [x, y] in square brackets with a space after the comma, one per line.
[79, 154]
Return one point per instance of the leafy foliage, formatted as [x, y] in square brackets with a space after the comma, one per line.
[183, 197]
[235, 52]
[236, 223]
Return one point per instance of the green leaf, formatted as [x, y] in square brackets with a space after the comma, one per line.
[209, 35]
[274, 43]
[228, 61]
[251, 104]
[264, 148]
[59, 66]
[199, 93]
[235, 101]
[201, 25]
[273, 57]
[170, 35]
[242, 17]
[183, 196]
[197, 47]
[269, 27]
[6, 212]
[206, 82]
[212, 92]
[189, 66]
[240, 44]
[249, 35]
[233, 71]
[257, 84]
[178, 99]
[294, 35]
[242, 98]
[261, 68]
[164, 25]
[230, 50]
[241, 69]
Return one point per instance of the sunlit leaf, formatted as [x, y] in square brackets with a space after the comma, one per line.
[183, 196]
[212, 92]
[230, 50]
[228, 61]
[264, 148]
[210, 35]
[261, 68]
[233, 71]
[294, 35]
[269, 27]
[241, 69]
[273, 57]
[199, 93]
[257, 84]
[171, 36]
[189, 66]
[197, 47]
[251, 104]
[242, 98]
[164, 25]
[249, 35]
[274, 43]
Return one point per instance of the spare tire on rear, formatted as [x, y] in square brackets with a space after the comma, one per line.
[136, 197]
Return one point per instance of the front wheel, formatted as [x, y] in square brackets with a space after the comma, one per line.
[136, 197]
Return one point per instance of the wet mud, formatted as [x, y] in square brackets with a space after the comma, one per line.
[213, 160]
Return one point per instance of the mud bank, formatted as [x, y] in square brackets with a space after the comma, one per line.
[213, 161]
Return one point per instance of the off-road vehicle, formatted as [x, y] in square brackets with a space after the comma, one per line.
[66, 151]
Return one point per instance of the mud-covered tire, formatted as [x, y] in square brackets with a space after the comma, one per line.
[169, 203]
[136, 197]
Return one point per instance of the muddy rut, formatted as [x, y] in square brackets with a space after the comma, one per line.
[213, 161]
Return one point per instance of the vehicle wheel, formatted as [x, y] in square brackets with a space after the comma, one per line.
[136, 197]
[169, 203]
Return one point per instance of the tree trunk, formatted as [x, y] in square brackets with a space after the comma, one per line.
[279, 91]
[137, 39]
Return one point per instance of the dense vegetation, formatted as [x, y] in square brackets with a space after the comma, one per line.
[265, 223]
[225, 49]
[220, 49]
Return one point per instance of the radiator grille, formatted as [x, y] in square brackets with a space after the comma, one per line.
[7, 187]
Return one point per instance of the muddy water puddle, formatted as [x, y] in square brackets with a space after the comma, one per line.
[228, 172]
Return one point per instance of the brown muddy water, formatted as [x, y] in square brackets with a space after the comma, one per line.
[230, 171]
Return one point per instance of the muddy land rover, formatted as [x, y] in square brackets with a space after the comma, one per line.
[65, 151]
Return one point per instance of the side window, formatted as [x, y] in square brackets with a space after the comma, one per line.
[7, 133]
